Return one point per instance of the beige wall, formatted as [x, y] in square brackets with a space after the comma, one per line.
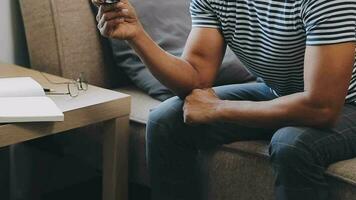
[12, 39]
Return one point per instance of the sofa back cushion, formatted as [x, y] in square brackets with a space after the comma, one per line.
[63, 40]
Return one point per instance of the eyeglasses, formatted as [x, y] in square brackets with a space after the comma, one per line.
[73, 87]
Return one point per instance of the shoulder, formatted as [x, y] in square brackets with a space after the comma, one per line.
[312, 5]
[319, 9]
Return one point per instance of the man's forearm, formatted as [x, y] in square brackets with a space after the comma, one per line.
[175, 73]
[292, 110]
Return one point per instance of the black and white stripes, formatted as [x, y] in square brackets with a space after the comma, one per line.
[270, 36]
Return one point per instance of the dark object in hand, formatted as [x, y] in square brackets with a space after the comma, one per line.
[109, 4]
[110, 1]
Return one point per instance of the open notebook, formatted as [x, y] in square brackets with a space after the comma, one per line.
[22, 99]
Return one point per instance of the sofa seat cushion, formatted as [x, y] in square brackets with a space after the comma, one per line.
[240, 156]
[141, 103]
[344, 171]
[257, 148]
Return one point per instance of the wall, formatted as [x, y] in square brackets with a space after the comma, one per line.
[12, 38]
[12, 50]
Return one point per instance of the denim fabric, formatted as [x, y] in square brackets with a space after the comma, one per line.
[299, 154]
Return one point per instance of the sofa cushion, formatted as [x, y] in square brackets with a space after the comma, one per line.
[141, 103]
[257, 148]
[344, 171]
[235, 174]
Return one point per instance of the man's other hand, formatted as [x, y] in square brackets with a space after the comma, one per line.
[201, 107]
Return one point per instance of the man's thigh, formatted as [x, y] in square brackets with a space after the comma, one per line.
[254, 91]
[326, 146]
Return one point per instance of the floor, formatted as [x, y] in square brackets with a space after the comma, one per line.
[91, 190]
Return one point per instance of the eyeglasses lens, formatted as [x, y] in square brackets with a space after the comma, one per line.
[73, 89]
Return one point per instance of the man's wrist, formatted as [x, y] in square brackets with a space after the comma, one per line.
[219, 110]
[138, 38]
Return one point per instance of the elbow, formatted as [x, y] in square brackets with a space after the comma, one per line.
[326, 118]
[324, 112]
[183, 92]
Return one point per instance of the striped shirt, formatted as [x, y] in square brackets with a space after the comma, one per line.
[270, 36]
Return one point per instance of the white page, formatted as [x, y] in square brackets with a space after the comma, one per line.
[20, 87]
[29, 109]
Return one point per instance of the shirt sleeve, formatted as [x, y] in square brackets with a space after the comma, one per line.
[329, 21]
[203, 14]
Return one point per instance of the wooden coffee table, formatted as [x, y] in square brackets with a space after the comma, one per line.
[92, 106]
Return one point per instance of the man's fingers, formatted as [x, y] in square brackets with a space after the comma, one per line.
[112, 15]
[99, 15]
[109, 7]
[186, 118]
[211, 90]
[124, 1]
[122, 6]
[104, 29]
[112, 23]
[108, 27]
[106, 8]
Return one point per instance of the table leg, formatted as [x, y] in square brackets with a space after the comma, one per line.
[115, 159]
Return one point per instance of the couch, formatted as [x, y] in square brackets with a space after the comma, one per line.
[62, 39]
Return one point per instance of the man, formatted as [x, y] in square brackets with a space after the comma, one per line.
[304, 50]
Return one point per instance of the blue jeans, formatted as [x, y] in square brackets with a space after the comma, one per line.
[299, 155]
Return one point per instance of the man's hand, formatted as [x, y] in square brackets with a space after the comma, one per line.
[201, 107]
[118, 21]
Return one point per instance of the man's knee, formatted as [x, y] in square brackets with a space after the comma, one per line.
[167, 112]
[165, 118]
[291, 147]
